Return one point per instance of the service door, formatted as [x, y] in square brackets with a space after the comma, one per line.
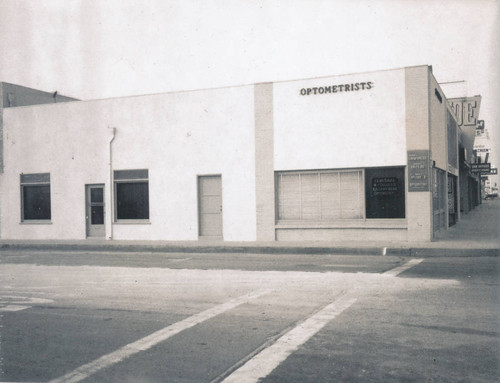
[210, 206]
[94, 214]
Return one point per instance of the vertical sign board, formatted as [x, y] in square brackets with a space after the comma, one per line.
[418, 170]
[1, 130]
[452, 128]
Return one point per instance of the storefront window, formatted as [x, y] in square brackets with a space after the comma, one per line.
[320, 196]
[385, 192]
[439, 199]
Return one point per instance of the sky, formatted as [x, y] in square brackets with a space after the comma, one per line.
[93, 49]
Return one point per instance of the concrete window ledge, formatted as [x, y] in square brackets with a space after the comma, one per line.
[132, 222]
[34, 222]
[346, 224]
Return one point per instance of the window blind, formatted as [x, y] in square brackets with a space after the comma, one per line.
[320, 196]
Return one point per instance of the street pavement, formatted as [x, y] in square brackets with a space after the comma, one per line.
[317, 318]
[476, 234]
[120, 311]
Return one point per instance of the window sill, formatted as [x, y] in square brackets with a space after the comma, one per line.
[132, 222]
[35, 222]
[386, 223]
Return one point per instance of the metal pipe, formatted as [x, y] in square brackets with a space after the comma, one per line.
[110, 191]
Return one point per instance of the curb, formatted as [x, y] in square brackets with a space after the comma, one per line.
[454, 252]
[373, 251]
[195, 249]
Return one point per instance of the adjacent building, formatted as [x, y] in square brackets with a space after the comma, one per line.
[368, 156]
[466, 112]
[486, 169]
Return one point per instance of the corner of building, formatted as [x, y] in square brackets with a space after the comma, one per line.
[419, 196]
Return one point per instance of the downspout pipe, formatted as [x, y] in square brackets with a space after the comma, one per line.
[110, 191]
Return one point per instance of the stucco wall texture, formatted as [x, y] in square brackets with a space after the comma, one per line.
[244, 134]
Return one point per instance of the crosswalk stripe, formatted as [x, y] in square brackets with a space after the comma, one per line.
[268, 359]
[398, 270]
[10, 308]
[153, 339]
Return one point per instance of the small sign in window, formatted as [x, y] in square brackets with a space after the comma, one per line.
[385, 186]
[385, 192]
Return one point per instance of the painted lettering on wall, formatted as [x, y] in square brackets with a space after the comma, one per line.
[353, 87]
[466, 110]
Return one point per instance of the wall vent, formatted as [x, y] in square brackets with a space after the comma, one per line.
[438, 95]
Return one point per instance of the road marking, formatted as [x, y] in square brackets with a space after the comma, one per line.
[10, 308]
[174, 260]
[268, 359]
[153, 339]
[18, 303]
[346, 265]
[398, 270]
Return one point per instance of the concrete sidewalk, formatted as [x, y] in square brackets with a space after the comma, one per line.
[477, 234]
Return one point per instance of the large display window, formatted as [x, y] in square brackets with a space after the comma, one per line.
[334, 195]
[320, 195]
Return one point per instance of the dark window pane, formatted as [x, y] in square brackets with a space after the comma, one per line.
[97, 215]
[137, 174]
[96, 195]
[37, 178]
[132, 200]
[36, 202]
[385, 193]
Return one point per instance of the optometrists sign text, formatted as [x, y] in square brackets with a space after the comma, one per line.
[353, 87]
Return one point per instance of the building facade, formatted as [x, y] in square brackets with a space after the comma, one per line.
[466, 111]
[372, 156]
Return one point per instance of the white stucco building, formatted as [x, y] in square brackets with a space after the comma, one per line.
[372, 156]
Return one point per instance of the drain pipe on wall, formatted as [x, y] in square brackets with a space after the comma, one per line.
[110, 191]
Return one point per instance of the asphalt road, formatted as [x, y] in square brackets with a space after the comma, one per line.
[68, 317]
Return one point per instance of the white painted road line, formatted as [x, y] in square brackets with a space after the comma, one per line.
[10, 303]
[346, 265]
[398, 270]
[10, 308]
[149, 341]
[268, 359]
[173, 260]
